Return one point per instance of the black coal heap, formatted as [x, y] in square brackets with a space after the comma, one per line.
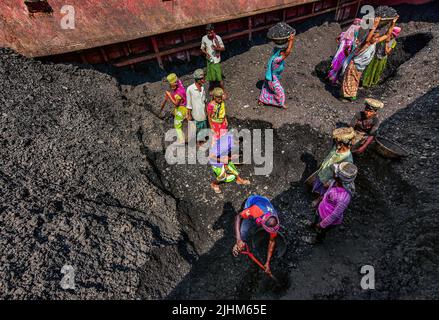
[280, 30]
[386, 12]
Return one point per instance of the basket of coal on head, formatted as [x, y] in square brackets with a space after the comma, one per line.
[386, 13]
[280, 33]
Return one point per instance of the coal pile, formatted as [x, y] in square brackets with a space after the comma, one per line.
[415, 128]
[84, 182]
[75, 187]
[280, 31]
[410, 185]
[386, 12]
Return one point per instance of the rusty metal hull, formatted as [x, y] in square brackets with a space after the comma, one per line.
[99, 23]
[125, 32]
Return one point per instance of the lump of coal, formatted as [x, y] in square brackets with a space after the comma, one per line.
[280, 30]
[386, 12]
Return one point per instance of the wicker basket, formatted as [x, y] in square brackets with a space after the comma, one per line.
[389, 149]
[385, 21]
[282, 40]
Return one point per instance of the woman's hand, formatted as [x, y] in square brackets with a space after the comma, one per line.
[376, 22]
[291, 37]
[267, 268]
[238, 247]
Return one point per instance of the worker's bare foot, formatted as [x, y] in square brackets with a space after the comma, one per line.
[261, 104]
[242, 181]
[215, 187]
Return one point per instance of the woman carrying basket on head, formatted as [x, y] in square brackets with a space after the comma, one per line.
[273, 94]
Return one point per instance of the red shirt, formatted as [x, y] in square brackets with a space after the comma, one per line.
[255, 212]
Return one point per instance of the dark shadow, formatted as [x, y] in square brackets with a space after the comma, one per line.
[225, 221]
[259, 84]
[311, 165]
[321, 71]
[427, 12]
[340, 124]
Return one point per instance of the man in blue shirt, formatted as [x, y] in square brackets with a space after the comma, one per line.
[258, 212]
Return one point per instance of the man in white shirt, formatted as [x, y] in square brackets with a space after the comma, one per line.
[212, 45]
[196, 104]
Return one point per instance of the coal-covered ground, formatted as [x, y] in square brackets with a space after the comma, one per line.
[84, 182]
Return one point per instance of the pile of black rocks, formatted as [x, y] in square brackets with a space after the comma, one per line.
[281, 30]
[385, 12]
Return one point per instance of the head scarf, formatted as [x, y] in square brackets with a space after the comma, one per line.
[374, 103]
[218, 92]
[396, 31]
[351, 33]
[344, 134]
[263, 220]
[199, 74]
[346, 172]
[172, 78]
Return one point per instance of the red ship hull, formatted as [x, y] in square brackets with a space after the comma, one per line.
[132, 31]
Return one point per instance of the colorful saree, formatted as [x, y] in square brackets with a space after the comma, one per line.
[374, 71]
[346, 40]
[180, 112]
[273, 93]
[354, 70]
[217, 114]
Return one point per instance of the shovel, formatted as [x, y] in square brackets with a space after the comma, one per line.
[259, 263]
